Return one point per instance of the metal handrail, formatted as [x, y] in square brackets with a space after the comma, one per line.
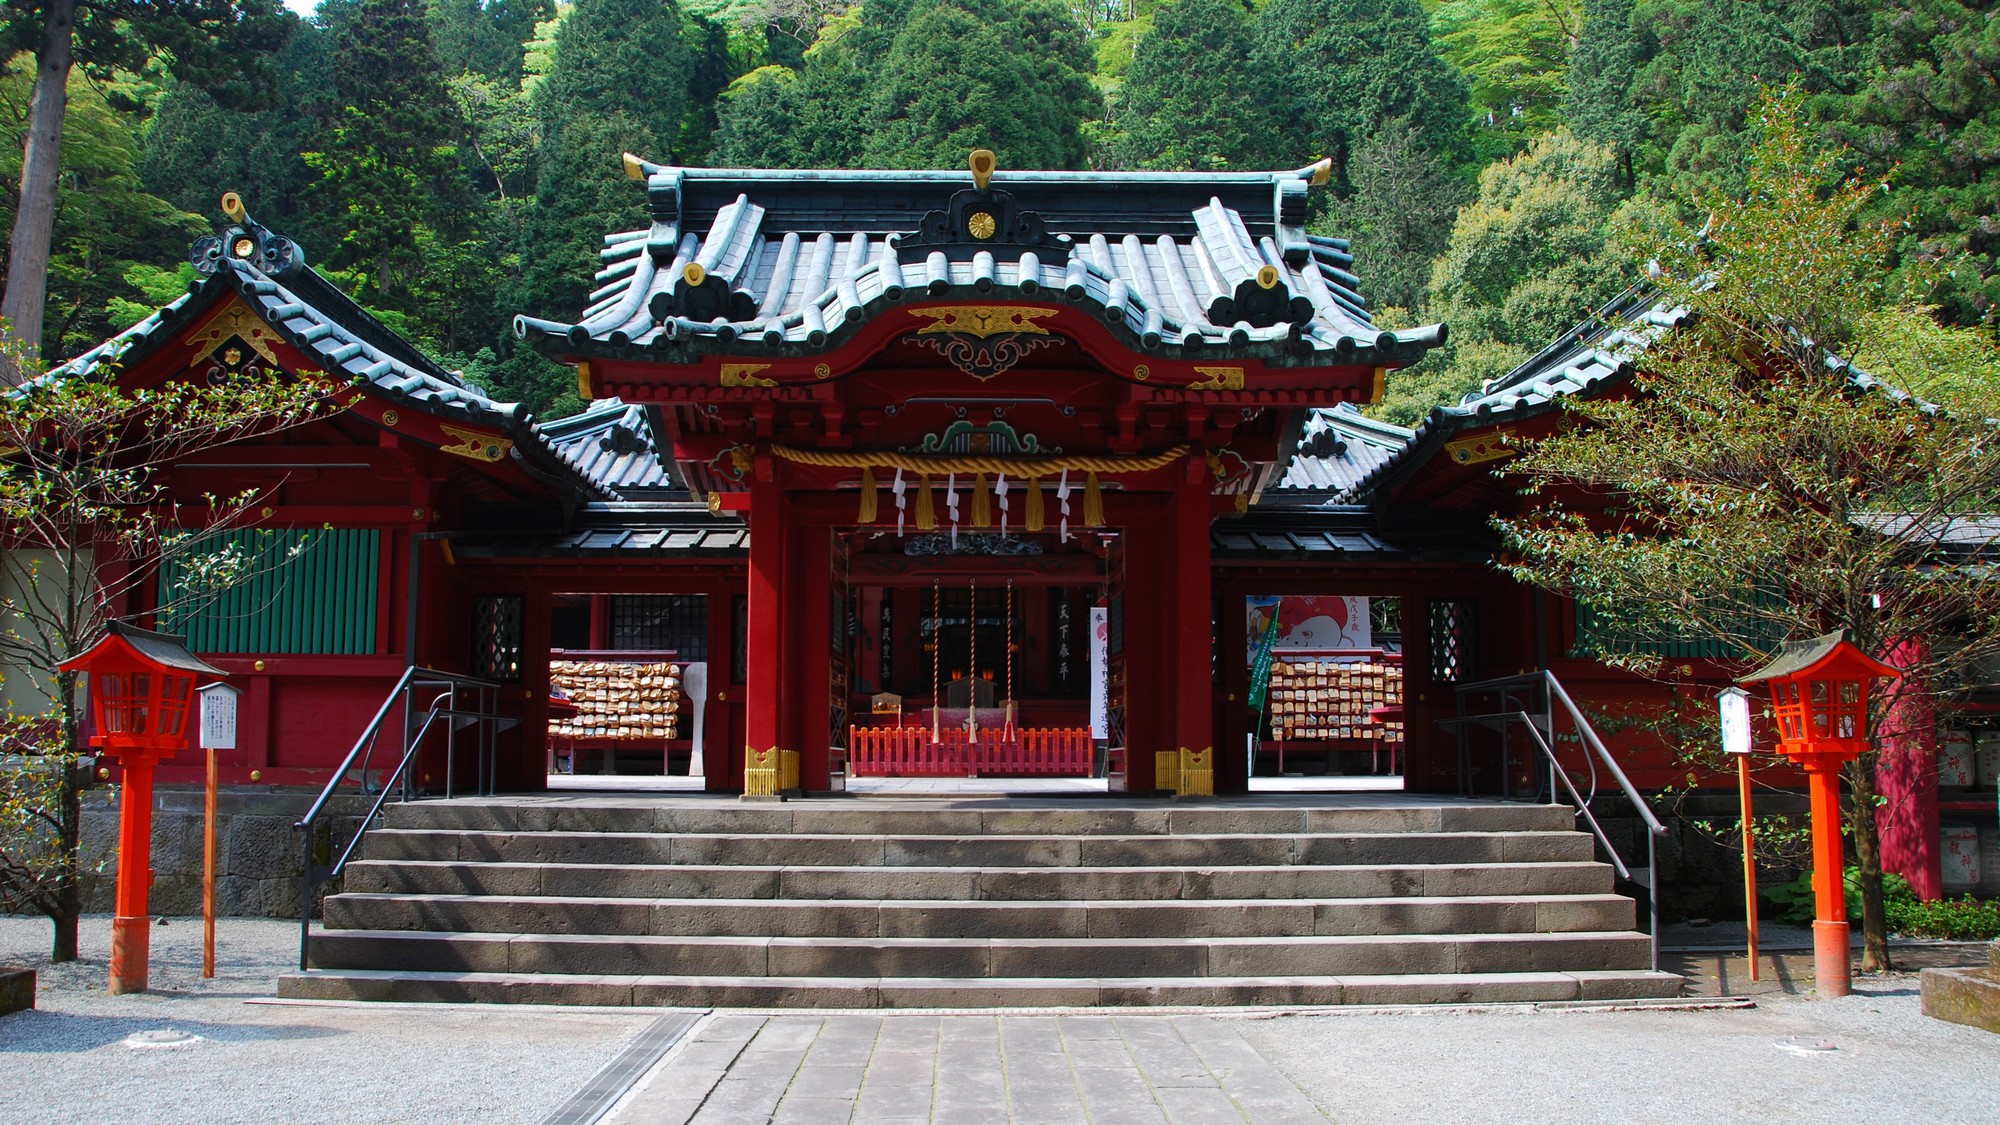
[1597, 753]
[445, 705]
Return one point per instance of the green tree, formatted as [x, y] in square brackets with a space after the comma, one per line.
[1599, 103]
[1931, 108]
[618, 82]
[80, 495]
[197, 148]
[1525, 262]
[1515, 57]
[388, 162]
[106, 220]
[1350, 65]
[955, 79]
[1753, 492]
[484, 37]
[1400, 215]
[1183, 106]
[918, 84]
[219, 44]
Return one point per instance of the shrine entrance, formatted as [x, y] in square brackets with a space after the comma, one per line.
[971, 656]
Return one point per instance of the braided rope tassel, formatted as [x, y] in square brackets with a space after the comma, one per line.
[1034, 513]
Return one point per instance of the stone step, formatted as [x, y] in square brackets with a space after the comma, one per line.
[910, 819]
[597, 880]
[1043, 851]
[871, 992]
[979, 957]
[1191, 918]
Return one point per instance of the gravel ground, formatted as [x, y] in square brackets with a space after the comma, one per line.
[68, 1061]
[1889, 1063]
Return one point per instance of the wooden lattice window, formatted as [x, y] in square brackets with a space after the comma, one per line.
[496, 637]
[661, 622]
[1451, 641]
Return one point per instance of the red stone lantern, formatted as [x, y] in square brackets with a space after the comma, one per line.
[141, 699]
[1819, 697]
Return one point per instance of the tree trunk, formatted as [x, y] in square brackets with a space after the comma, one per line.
[35, 218]
[63, 948]
[1868, 860]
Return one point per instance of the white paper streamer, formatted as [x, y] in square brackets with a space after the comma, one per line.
[902, 502]
[951, 505]
[1000, 490]
[1062, 498]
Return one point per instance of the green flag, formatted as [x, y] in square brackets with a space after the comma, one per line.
[1260, 666]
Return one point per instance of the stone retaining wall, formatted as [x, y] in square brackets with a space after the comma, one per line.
[257, 850]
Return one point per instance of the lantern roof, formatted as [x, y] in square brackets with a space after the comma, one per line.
[129, 641]
[1834, 652]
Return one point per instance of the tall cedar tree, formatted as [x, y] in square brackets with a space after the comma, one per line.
[1188, 104]
[1400, 215]
[955, 79]
[219, 44]
[1599, 104]
[918, 84]
[388, 161]
[1756, 493]
[484, 37]
[1348, 66]
[619, 84]
[1931, 107]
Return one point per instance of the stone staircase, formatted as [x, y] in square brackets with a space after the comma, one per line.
[902, 902]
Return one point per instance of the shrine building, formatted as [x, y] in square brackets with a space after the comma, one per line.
[871, 460]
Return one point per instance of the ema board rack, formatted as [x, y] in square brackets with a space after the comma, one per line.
[1316, 699]
[618, 700]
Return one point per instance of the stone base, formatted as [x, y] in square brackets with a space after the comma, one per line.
[1967, 996]
[17, 990]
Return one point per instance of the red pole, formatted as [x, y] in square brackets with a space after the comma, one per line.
[208, 874]
[1832, 968]
[1749, 858]
[130, 931]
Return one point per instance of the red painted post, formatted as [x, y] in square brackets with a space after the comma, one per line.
[1832, 958]
[130, 920]
[1192, 684]
[763, 644]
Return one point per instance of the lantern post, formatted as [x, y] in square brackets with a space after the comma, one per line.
[1819, 697]
[141, 691]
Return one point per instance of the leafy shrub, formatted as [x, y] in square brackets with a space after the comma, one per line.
[1961, 919]
[1797, 897]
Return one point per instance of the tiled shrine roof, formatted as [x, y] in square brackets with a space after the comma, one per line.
[749, 262]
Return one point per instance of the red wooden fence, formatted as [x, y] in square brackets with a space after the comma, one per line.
[909, 752]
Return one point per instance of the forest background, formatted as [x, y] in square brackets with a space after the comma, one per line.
[454, 162]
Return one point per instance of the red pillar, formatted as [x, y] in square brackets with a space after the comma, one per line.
[1193, 684]
[130, 921]
[764, 645]
[1906, 775]
[1832, 974]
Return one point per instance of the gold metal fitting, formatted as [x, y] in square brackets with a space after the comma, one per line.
[103, 774]
[694, 274]
[256, 775]
[232, 206]
[635, 168]
[982, 162]
[259, 666]
[1268, 277]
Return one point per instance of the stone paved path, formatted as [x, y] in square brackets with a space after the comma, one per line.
[974, 1069]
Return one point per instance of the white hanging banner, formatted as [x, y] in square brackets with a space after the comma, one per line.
[1100, 671]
